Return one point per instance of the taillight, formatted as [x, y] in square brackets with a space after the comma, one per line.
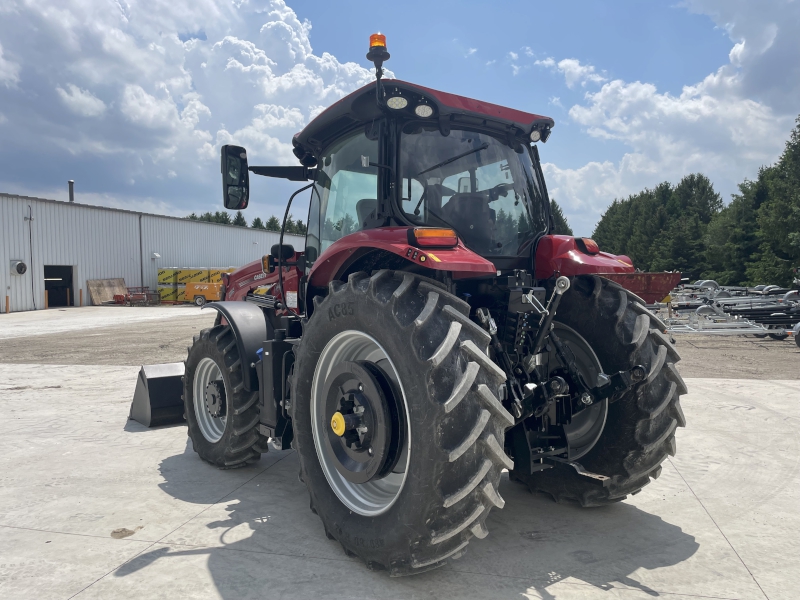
[432, 237]
[588, 245]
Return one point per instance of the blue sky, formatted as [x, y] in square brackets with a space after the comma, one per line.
[132, 99]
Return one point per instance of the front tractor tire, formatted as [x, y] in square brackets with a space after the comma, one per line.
[222, 416]
[397, 421]
[640, 427]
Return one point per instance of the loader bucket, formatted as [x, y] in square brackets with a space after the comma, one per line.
[158, 399]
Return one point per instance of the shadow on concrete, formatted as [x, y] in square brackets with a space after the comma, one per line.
[534, 543]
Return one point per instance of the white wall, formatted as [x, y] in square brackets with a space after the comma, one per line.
[105, 243]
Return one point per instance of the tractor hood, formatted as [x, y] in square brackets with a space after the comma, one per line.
[449, 110]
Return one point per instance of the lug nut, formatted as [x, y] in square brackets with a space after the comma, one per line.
[586, 398]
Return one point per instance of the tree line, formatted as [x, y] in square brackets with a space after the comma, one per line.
[753, 240]
[295, 226]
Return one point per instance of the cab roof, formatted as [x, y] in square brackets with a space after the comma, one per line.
[450, 111]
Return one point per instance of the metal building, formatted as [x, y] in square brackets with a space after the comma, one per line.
[72, 243]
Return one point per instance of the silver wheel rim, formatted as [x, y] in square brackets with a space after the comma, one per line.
[207, 371]
[374, 497]
[587, 426]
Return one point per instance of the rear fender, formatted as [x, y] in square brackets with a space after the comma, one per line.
[561, 255]
[249, 326]
[460, 261]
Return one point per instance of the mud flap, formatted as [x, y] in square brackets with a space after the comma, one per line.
[158, 397]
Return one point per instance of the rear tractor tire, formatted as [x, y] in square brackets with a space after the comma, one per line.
[397, 421]
[640, 427]
[222, 416]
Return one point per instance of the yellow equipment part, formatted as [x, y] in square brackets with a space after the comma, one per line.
[168, 293]
[191, 276]
[167, 276]
[337, 424]
[209, 291]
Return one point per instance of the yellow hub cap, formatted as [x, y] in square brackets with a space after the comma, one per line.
[337, 424]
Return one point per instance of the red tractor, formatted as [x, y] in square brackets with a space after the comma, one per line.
[432, 334]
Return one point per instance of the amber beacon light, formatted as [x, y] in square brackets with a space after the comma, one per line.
[377, 39]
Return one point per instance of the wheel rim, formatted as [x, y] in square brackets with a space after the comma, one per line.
[376, 496]
[587, 425]
[206, 373]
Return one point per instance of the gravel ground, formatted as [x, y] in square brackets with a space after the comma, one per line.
[137, 337]
[724, 357]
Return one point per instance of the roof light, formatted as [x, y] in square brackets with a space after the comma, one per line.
[397, 102]
[432, 237]
[423, 110]
[377, 39]
[536, 135]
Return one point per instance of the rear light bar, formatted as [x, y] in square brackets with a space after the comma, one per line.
[432, 237]
[587, 245]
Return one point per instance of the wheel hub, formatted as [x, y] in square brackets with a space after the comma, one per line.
[365, 427]
[215, 399]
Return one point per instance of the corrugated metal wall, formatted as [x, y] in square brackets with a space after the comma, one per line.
[104, 243]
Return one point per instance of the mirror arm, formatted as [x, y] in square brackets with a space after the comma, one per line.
[290, 173]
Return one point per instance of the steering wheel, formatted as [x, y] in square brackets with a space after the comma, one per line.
[501, 189]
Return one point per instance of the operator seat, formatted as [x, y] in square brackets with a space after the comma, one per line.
[366, 211]
[473, 220]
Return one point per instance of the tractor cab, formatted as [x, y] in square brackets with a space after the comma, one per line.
[395, 154]
[419, 157]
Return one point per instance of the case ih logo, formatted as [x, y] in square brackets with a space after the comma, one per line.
[252, 279]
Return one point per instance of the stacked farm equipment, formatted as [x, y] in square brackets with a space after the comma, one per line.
[708, 308]
[196, 285]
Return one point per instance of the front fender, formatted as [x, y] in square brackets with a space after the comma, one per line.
[460, 261]
[249, 325]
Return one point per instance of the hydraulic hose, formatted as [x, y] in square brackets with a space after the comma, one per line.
[283, 230]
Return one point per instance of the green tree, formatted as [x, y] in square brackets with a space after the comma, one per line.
[273, 224]
[239, 219]
[662, 228]
[779, 218]
[258, 223]
[562, 227]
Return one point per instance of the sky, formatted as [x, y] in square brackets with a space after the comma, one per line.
[133, 99]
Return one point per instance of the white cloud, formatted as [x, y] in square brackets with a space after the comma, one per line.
[513, 56]
[9, 71]
[470, 52]
[556, 101]
[724, 126]
[574, 72]
[81, 102]
[172, 79]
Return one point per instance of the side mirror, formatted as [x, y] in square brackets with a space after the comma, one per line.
[235, 178]
[286, 251]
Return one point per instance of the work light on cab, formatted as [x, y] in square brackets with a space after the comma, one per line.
[432, 237]
[397, 102]
[424, 111]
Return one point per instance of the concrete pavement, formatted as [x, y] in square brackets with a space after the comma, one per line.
[95, 506]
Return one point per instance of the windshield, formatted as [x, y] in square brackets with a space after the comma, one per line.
[478, 185]
[345, 191]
